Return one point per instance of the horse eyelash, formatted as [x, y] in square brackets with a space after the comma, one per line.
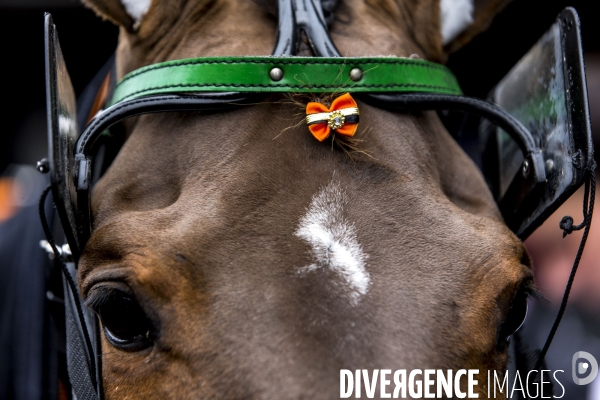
[99, 296]
[532, 291]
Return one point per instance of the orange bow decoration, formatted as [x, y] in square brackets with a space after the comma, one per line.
[341, 117]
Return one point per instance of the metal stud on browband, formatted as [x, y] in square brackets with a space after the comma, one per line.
[356, 74]
[276, 74]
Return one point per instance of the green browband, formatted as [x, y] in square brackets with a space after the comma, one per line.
[288, 74]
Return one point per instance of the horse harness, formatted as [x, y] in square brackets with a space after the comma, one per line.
[205, 84]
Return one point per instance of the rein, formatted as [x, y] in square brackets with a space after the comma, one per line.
[566, 224]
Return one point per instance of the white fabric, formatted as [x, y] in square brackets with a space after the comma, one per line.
[456, 16]
[136, 8]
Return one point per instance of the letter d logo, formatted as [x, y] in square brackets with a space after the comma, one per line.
[583, 367]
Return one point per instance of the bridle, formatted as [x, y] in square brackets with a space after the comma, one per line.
[208, 84]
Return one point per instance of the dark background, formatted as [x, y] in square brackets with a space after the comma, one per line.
[87, 42]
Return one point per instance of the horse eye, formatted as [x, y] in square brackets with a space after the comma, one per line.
[514, 318]
[125, 324]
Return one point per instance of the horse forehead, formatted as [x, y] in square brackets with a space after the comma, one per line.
[241, 161]
[243, 27]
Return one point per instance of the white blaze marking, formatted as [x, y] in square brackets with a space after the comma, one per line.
[456, 16]
[136, 8]
[333, 240]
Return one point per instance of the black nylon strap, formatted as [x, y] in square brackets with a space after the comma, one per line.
[80, 353]
[81, 375]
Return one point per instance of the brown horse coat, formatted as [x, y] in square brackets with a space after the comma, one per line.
[268, 261]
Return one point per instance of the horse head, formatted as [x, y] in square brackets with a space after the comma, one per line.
[235, 256]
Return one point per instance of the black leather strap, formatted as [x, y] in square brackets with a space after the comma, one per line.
[307, 16]
[156, 104]
[523, 185]
[482, 108]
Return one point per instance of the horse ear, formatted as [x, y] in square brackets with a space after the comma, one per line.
[125, 13]
[462, 20]
[441, 27]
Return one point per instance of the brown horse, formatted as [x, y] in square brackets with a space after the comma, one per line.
[234, 256]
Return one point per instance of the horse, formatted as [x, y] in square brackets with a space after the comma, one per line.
[234, 256]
